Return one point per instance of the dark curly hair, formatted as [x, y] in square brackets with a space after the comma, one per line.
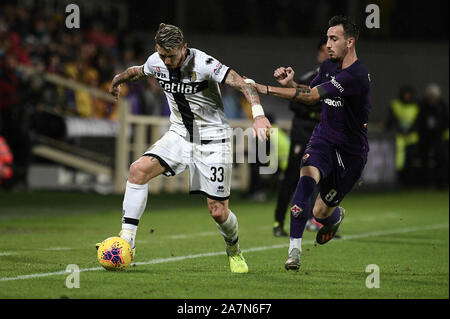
[350, 28]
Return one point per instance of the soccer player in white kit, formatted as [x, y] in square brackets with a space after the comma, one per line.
[199, 137]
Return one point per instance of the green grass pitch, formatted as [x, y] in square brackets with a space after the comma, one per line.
[181, 254]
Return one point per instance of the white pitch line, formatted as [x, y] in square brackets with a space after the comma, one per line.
[184, 236]
[10, 253]
[56, 248]
[254, 249]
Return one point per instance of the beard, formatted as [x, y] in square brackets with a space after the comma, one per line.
[335, 59]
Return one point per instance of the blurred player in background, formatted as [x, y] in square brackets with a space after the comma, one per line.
[433, 138]
[402, 118]
[337, 151]
[199, 137]
[305, 119]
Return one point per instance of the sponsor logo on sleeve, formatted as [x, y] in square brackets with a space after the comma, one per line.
[218, 68]
[337, 85]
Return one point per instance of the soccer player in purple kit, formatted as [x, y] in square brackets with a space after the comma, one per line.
[337, 151]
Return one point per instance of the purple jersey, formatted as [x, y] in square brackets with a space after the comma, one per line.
[345, 108]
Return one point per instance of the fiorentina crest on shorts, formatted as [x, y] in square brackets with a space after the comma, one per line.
[295, 210]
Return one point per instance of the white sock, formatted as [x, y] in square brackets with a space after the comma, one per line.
[229, 229]
[134, 202]
[295, 243]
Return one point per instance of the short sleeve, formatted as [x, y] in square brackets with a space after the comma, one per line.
[316, 79]
[148, 68]
[344, 84]
[213, 68]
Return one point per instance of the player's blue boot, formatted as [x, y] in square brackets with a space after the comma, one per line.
[327, 232]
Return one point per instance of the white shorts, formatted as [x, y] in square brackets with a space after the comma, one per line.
[209, 162]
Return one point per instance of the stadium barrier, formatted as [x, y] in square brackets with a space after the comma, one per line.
[133, 135]
[138, 132]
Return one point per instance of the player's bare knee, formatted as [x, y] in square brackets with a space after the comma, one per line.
[144, 169]
[322, 211]
[138, 173]
[318, 212]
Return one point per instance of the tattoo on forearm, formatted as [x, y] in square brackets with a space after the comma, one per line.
[301, 90]
[251, 94]
[132, 74]
[249, 91]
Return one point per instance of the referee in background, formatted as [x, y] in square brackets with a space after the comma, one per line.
[305, 119]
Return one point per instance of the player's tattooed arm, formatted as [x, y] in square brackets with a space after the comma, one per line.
[261, 125]
[132, 74]
[237, 82]
[300, 93]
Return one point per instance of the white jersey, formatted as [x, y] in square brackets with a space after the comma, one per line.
[192, 91]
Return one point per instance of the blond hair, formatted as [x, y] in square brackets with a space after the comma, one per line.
[169, 36]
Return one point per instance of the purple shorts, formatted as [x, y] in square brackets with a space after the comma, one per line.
[339, 171]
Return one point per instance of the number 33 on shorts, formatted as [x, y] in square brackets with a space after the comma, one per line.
[217, 174]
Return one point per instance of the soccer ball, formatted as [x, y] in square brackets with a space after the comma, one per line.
[114, 253]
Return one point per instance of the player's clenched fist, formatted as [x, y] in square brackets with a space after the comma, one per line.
[284, 76]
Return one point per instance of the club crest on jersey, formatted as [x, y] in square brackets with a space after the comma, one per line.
[192, 76]
[296, 211]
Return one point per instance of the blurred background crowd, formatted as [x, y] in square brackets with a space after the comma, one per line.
[31, 35]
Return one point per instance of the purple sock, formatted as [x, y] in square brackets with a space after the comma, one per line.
[332, 219]
[301, 206]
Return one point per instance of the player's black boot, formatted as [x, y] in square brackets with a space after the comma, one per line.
[327, 232]
[278, 230]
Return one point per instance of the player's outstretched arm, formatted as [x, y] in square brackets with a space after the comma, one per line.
[133, 73]
[300, 93]
[261, 125]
